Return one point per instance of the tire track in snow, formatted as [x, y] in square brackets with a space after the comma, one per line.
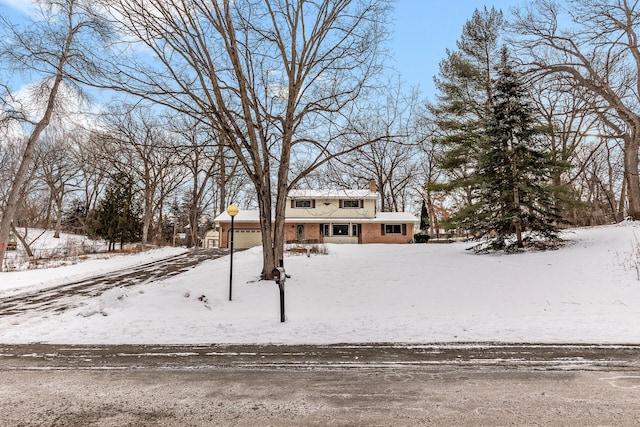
[70, 295]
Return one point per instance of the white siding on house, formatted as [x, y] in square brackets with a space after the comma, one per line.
[331, 208]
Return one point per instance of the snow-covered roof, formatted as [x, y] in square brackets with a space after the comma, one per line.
[381, 217]
[243, 215]
[332, 194]
[396, 217]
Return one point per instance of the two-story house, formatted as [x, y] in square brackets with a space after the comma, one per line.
[326, 216]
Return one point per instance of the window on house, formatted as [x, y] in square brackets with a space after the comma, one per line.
[324, 229]
[303, 203]
[393, 229]
[340, 229]
[351, 204]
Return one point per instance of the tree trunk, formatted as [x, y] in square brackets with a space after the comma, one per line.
[517, 223]
[148, 214]
[380, 190]
[516, 200]
[268, 252]
[431, 213]
[52, 198]
[159, 226]
[631, 175]
[222, 178]
[23, 240]
[622, 199]
[278, 237]
[58, 229]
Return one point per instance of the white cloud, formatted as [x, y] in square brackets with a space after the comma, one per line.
[28, 7]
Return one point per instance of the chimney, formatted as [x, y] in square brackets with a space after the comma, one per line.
[372, 186]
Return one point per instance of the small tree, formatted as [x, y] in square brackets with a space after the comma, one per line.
[422, 235]
[424, 217]
[75, 216]
[117, 217]
[515, 172]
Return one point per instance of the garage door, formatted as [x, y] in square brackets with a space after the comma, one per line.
[247, 238]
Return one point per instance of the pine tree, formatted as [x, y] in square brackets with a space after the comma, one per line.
[75, 216]
[424, 217]
[464, 87]
[117, 217]
[515, 172]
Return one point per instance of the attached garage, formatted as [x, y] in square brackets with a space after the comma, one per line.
[246, 238]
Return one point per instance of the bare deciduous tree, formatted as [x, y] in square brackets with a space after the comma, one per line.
[54, 48]
[270, 77]
[391, 162]
[199, 155]
[58, 167]
[593, 44]
[136, 141]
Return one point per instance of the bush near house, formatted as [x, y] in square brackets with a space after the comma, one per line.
[421, 238]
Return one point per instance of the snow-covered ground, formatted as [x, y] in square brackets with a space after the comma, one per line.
[67, 258]
[48, 250]
[588, 291]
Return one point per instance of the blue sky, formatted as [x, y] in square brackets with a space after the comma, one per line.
[424, 29]
[421, 32]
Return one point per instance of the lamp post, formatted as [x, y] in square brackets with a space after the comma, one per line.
[232, 210]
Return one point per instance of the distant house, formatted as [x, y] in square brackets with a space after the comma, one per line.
[325, 216]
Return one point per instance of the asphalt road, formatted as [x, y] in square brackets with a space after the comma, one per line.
[355, 385]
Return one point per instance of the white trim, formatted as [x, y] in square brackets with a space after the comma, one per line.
[253, 216]
[332, 194]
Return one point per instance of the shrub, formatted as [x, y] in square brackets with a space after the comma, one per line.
[298, 249]
[421, 238]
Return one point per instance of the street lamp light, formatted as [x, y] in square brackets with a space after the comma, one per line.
[232, 210]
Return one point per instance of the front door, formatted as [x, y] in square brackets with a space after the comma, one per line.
[356, 231]
[300, 232]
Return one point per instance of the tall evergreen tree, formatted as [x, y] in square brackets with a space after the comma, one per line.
[117, 216]
[464, 87]
[515, 171]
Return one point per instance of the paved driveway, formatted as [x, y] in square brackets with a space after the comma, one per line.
[62, 297]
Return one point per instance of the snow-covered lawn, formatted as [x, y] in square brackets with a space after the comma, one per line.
[71, 268]
[586, 292]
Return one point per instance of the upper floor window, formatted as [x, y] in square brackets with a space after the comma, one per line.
[303, 203]
[351, 204]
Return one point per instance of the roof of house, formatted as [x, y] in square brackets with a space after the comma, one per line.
[396, 216]
[332, 194]
[243, 215]
[252, 216]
